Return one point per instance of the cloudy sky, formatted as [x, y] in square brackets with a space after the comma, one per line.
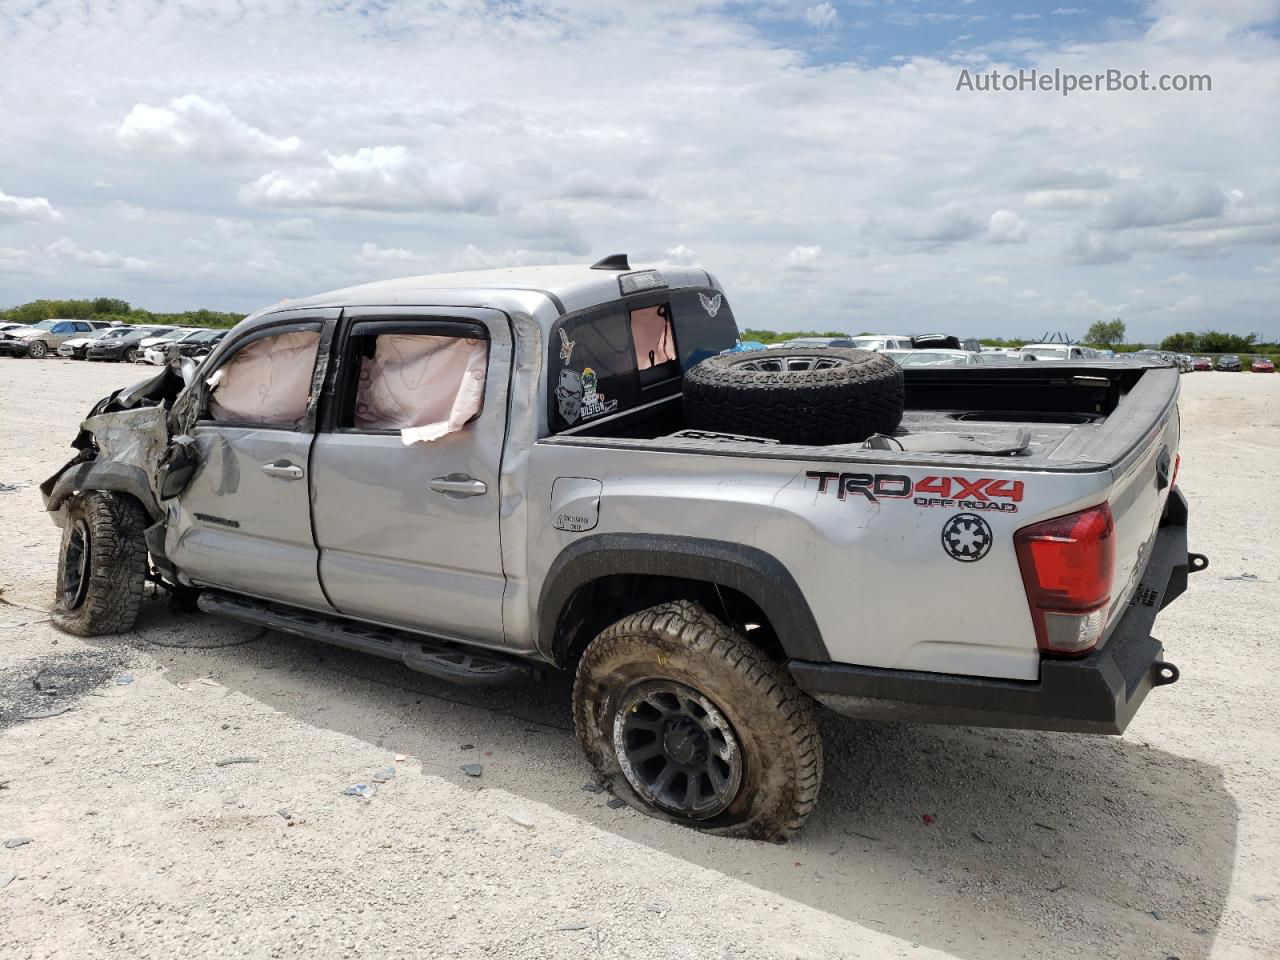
[817, 157]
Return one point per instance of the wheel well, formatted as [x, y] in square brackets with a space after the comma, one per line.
[595, 605]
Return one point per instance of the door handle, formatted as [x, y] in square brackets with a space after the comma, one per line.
[283, 470]
[459, 485]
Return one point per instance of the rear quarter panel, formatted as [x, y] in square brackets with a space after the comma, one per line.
[871, 566]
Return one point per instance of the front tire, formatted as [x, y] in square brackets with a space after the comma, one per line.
[687, 721]
[102, 566]
[38, 350]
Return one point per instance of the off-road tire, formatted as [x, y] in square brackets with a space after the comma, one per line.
[774, 723]
[110, 527]
[859, 394]
[37, 350]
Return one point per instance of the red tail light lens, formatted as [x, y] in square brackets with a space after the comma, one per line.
[1068, 564]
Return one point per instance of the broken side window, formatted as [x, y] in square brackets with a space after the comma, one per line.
[266, 381]
[424, 385]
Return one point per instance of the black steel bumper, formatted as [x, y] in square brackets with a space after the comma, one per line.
[1098, 693]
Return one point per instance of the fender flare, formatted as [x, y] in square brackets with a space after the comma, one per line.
[748, 570]
[103, 475]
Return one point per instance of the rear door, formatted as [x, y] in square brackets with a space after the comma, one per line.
[244, 521]
[406, 469]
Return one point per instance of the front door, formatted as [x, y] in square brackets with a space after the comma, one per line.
[405, 470]
[244, 521]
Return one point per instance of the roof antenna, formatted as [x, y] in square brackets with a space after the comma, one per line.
[615, 261]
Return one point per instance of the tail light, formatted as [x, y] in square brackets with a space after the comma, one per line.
[1067, 567]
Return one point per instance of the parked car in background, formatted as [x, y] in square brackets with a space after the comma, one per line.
[1229, 362]
[1202, 363]
[127, 347]
[1053, 351]
[195, 344]
[11, 327]
[881, 341]
[1262, 365]
[75, 347]
[935, 358]
[809, 342]
[152, 348]
[41, 339]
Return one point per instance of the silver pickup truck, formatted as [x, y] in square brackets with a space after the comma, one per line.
[486, 475]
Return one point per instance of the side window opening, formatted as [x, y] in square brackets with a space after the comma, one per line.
[267, 381]
[655, 344]
[425, 385]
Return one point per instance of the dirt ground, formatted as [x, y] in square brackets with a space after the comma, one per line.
[928, 842]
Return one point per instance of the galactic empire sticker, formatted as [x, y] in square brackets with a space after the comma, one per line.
[985, 493]
[967, 537]
[578, 396]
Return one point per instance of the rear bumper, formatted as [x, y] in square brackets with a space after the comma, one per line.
[1098, 693]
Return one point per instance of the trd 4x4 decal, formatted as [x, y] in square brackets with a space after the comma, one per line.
[985, 493]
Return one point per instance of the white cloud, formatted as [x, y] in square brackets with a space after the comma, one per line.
[733, 132]
[192, 125]
[294, 228]
[1005, 226]
[1091, 248]
[68, 249]
[995, 280]
[682, 255]
[1191, 303]
[31, 209]
[822, 16]
[802, 258]
[387, 178]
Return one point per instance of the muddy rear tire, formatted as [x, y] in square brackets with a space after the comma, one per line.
[102, 566]
[688, 722]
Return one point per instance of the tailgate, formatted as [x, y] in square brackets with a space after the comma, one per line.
[1143, 480]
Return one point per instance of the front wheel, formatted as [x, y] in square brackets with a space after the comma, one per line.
[688, 722]
[102, 566]
[38, 350]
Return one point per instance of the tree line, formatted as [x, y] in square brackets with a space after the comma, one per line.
[110, 308]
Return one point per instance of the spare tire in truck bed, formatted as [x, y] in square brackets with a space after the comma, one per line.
[814, 396]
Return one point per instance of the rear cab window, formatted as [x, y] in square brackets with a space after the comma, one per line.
[615, 357]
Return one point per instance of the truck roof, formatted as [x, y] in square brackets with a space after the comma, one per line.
[564, 288]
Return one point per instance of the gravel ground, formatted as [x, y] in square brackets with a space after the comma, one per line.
[144, 842]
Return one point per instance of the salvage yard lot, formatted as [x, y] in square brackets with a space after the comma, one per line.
[929, 841]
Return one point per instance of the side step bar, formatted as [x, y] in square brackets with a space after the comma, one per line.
[438, 658]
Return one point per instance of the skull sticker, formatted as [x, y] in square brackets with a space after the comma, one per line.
[569, 395]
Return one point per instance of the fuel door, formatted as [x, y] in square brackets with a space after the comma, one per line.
[575, 503]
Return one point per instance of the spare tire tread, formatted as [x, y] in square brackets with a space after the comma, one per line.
[843, 404]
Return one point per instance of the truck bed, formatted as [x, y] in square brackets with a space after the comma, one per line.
[1073, 417]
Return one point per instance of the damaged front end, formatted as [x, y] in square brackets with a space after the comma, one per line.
[125, 446]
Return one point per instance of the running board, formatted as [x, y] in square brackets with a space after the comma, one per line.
[438, 658]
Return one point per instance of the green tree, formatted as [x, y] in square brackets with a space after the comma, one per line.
[1105, 333]
[1181, 343]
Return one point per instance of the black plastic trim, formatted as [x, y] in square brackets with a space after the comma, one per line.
[748, 570]
[104, 475]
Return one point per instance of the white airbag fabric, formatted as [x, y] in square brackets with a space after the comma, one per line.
[268, 381]
[426, 387]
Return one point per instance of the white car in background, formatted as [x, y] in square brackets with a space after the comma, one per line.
[158, 353]
[935, 358]
[881, 341]
[151, 349]
[1055, 351]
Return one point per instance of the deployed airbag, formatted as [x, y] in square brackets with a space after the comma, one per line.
[267, 381]
[424, 386]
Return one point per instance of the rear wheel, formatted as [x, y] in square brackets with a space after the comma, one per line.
[131, 355]
[102, 566]
[688, 722]
[37, 350]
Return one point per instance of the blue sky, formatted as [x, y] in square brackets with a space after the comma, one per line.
[816, 156]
